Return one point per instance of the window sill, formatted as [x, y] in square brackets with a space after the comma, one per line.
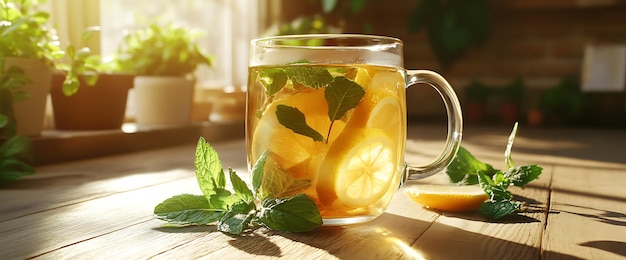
[55, 146]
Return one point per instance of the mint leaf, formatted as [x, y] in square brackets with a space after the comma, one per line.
[187, 209]
[13, 169]
[342, 95]
[273, 80]
[209, 171]
[257, 172]
[508, 160]
[241, 188]
[277, 183]
[237, 218]
[294, 214]
[499, 209]
[311, 77]
[495, 189]
[464, 168]
[522, 175]
[294, 120]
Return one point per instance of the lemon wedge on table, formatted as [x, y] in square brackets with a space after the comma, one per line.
[358, 169]
[447, 198]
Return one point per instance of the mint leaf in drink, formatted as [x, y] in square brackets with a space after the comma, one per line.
[276, 182]
[342, 95]
[273, 80]
[464, 168]
[257, 172]
[311, 77]
[187, 209]
[293, 119]
[499, 209]
[295, 214]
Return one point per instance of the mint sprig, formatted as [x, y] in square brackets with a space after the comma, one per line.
[237, 211]
[467, 170]
[341, 94]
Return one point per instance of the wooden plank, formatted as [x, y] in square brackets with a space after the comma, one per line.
[587, 214]
[50, 230]
[387, 237]
[64, 184]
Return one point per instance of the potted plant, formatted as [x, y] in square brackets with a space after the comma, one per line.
[163, 58]
[563, 103]
[475, 107]
[101, 104]
[27, 42]
[14, 149]
[511, 96]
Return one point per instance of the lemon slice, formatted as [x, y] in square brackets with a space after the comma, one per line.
[358, 169]
[291, 149]
[379, 109]
[387, 80]
[447, 198]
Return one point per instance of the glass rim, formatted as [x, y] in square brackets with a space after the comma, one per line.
[378, 42]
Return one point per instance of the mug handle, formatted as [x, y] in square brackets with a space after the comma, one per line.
[455, 124]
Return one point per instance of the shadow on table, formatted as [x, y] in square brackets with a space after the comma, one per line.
[393, 237]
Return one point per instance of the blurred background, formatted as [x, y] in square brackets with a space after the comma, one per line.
[542, 63]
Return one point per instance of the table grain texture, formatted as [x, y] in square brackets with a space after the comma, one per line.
[102, 208]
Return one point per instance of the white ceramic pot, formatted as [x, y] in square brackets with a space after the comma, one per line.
[30, 113]
[162, 101]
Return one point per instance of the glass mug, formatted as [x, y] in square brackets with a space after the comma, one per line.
[328, 114]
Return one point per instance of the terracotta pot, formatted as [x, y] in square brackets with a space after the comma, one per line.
[98, 107]
[29, 113]
[509, 113]
[162, 101]
[475, 112]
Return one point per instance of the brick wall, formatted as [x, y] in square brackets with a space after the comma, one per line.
[540, 41]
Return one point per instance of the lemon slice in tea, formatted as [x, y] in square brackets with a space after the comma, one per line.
[358, 168]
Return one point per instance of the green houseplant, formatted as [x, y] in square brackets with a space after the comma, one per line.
[27, 42]
[14, 149]
[98, 106]
[163, 58]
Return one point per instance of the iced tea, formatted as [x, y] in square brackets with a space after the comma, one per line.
[334, 132]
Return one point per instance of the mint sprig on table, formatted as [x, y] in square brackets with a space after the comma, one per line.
[467, 170]
[237, 211]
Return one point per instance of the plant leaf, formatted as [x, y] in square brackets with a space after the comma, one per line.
[294, 120]
[342, 95]
[258, 171]
[522, 175]
[187, 209]
[277, 183]
[294, 214]
[508, 160]
[309, 76]
[273, 80]
[241, 188]
[209, 171]
[464, 168]
[499, 209]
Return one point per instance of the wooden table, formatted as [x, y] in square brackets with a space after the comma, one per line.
[102, 208]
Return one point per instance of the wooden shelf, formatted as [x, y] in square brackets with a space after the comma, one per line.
[55, 146]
